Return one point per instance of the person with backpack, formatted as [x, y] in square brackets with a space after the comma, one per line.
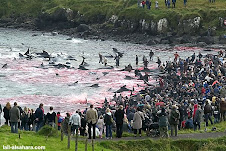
[163, 123]
[208, 112]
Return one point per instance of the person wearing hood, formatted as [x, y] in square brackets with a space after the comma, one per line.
[174, 120]
[100, 125]
[75, 122]
[50, 117]
[137, 121]
[108, 120]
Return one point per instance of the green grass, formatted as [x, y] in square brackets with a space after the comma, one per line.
[53, 143]
[221, 127]
[35, 139]
[98, 11]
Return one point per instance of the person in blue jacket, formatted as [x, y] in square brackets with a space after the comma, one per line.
[174, 3]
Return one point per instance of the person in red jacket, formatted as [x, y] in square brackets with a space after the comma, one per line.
[60, 120]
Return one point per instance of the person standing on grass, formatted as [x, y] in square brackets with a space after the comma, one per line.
[137, 121]
[14, 115]
[91, 118]
[119, 115]
[174, 3]
[108, 120]
[100, 125]
[208, 112]
[39, 117]
[148, 4]
[50, 117]
[75, 122]
[6, 113]
[197, 118]
[24, 119]
[163, 123]
[185, 3]
[174, 120]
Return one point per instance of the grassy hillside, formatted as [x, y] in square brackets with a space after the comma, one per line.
[210, 12]
[53, 143]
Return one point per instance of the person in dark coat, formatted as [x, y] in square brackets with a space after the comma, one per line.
[189, 123]
[197, 118]
[24, 119]
[39, 117]
[174, 3]
[14, 115]
[31, 120]
[6, 113]
[119, 115]
[208, 112]
[83, 125]
[163, 123]
[50, 117]
[108, 120]
[174, 120]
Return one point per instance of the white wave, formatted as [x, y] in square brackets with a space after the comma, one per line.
[77, 40]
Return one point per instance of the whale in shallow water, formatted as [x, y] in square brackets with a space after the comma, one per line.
[44, 54]
[27, 52]
[5, 65]
[82, 68]
[73, 84]
[95, 86]
[122, 89]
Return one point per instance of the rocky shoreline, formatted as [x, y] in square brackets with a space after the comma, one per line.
[61, 22]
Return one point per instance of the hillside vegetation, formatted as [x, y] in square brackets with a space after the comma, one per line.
[128, 9]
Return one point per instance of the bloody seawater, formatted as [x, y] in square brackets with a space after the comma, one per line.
[33, 81]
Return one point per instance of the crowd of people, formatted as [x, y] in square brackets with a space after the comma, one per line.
[168, 3]
[189, 91]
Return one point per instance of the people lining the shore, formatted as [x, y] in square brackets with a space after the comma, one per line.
[190, 90]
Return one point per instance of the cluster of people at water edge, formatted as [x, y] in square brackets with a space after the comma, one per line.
[189, 91]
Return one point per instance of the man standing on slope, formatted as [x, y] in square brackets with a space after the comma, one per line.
[14, 115]
[91, 117]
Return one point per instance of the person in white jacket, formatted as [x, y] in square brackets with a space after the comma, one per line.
[75, 122]
[100, 125]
